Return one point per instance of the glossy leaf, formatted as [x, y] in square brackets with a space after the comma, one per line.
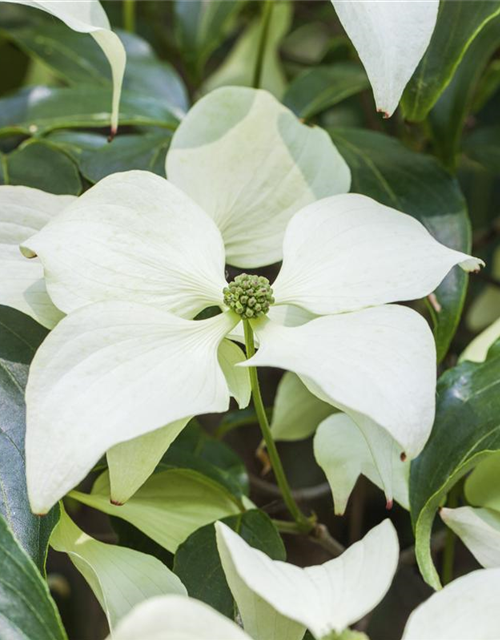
[467, 428]
[195, 449]
[458, 24]
[483, 146]
[90, 18]
[202, 26]
[78, 60]
[20, 336]
[42, 109]
[120, 578]
[185, 499]
[26, 607]
[198, 555]
[238, 68]
[43, 166]
[136, 151]
[320, 88]
[448, 116]
[415, 184]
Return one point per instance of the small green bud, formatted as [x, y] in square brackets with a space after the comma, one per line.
[249, 296]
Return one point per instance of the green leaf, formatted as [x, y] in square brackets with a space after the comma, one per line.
[202, 26]
[320, 88]
[120, 578]
[466, 430]
[483, 146]
[42, 165]
[457, 26]
[195, 449]
[198, 565]
[238, 67]
[42, 109]
[180, 498]
[20, 337]
[415, 184]
[75, 143]
[136, 151]
[448, 116]
[78, 60]
[26, 607]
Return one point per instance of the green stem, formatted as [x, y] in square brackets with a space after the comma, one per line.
[305, 524]
[129, 15]
[261, 51]
[450, 541]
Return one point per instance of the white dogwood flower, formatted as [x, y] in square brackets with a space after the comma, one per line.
[249, 162]
[125, 365]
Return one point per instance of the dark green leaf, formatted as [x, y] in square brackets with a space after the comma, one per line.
[198, 565]
[26, 607]
[457, 26]
[202, 26]
[147, 152]
[41, 165]
[195, 449]
[483, 146]
[466, 429]
[78, 60]
[415, 184]
[75, 143]
[20, 337]
[320, 88]
[41, 109]
[449, 114]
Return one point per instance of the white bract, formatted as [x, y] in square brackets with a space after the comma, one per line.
[135, 258]
[391, 37]
[466, 609]
[323, 598]
[176, 618]
[88, 16]
[343, 452]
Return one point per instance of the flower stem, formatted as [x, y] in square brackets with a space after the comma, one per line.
[129, 15]
[304, 523]
[259, 62]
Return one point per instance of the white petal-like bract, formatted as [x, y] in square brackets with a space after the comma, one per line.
[377, 364]
[88, 16]
[323, 598]
[251, 164]
[467, 608]
[343, 453]
[348, 252]
[176, 618]
[391, 37]
[110, 372]
[23, 212]
[135, 237]
[479, 530]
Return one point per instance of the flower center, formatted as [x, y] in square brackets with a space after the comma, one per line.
[249, 296]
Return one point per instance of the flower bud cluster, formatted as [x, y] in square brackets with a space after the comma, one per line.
[249, 296]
